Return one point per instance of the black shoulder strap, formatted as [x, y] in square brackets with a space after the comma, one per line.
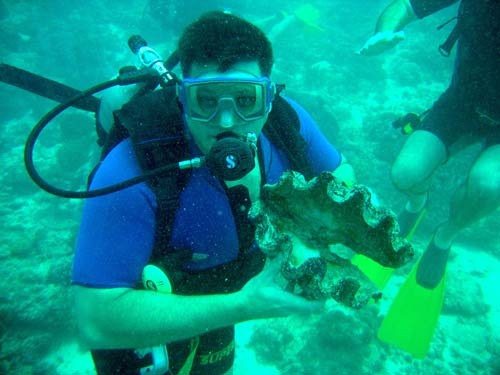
[283, 130]
[154, 123]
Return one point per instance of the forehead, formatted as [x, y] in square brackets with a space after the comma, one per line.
[248, 69]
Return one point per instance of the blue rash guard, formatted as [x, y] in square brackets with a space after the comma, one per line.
[117, 230]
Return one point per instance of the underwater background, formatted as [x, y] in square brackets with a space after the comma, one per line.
[353, 99]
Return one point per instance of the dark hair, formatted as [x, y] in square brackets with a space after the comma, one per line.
[224, 39]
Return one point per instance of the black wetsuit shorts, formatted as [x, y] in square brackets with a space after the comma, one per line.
[452, 118]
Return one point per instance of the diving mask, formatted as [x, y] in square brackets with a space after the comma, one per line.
[204, 99]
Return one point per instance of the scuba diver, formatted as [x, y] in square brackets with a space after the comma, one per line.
[467, 112]
[165, 268]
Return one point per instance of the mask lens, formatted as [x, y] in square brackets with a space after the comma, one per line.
[205, 99]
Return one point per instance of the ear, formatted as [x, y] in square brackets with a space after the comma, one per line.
[273, 95]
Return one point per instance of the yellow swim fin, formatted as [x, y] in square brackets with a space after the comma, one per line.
[378, 274]
[412, 318]
[309, 15]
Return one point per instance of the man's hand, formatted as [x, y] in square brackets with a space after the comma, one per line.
[381, 42]
[265, 299]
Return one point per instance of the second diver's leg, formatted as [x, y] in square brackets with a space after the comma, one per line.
[477, 198]
[412, 172]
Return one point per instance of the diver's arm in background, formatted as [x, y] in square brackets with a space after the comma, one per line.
[389, 28]
[115, 318]
[395, 16]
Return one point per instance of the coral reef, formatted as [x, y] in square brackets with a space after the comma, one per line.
[336, 342]
[316, 226]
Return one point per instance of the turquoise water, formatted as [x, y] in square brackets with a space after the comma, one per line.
[353, 99]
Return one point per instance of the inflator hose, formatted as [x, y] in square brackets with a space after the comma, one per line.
[124, 79]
